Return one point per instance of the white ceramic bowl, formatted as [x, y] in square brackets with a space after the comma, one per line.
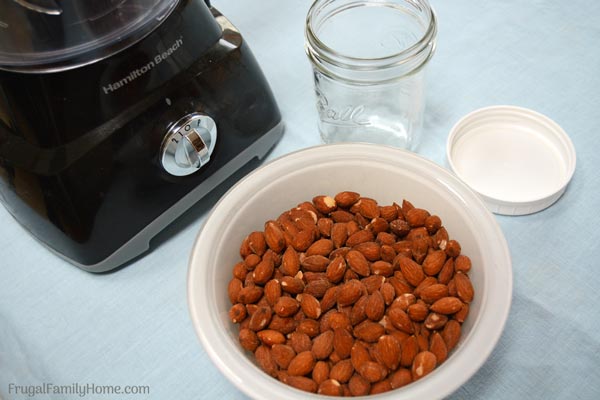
[387, 175]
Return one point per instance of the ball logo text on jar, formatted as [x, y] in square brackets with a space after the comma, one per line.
[345, 115]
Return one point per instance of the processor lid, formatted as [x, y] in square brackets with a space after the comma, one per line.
[50, 35]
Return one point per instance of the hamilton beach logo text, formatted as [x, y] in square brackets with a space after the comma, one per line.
[136, 73]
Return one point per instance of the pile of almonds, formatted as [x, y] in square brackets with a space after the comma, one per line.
[344, 297]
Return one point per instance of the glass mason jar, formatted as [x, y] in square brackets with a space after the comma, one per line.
[368, 59]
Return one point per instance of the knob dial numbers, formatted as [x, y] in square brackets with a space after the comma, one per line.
[188, 144]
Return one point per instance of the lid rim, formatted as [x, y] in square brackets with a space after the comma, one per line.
[564, 145]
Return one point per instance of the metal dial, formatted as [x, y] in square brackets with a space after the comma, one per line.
[188, 144]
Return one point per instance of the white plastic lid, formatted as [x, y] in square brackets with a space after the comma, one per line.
[518, 160]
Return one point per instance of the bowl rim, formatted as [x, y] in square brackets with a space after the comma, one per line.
[241, 373]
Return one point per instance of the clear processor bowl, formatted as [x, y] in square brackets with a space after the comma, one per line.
[61, 34]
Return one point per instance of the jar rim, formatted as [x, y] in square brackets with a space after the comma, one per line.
[334, 57]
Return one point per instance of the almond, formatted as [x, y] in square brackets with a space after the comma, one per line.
[342, 371]
[440, 239]
[375, 307]
[404, 301]
[309, 327]
[341, 216]
[412, 272]
[329, 299]
[371, 250]
[464, 287]
[389, 213]
[250, 294]
[260, 319]
[323, 345]
[237, 313]
[461, 315]
[447, 305]
[274, 236]
[378, 225]
[423, 364]
[324, 225]
[290, 262]
[233, 290]
[240, 270]
[416, 217]
[349, 292]
[434, 292]
[248, 339]
[453, 248]
[438, 347]
[317, 287]
[314, 263]
[462, 263]
[342, 342]
[300, 341]
[264, 271]
[381, 387]
[447, 272]
[399, 227]
[320, 372]
[388, 293]
[451, 334]
[416, 233]
[369, 331]
[302, 240]
[358, 312]
[433, 223]
[257, 243]
[251, 261]
[359, 237]
[272, 291]
[324, 204]
[425, 283]
[302, 383]
[336, 269]
[282, 355]
[389, 350]
[270, 337]
[346, 199]
[359, 355]
[330, 387]
[410, 348]
[286, 307]
[382, 268]
[281, 324]
[301, 364]
[400, 320]
[434, 262]
[321, 247]
[417, 312]
[401, 377]
[339, 320]
[372, 371]
[387, 253]
[358, 385]
[400, 286]
[358, 263]
[435, 321]
[265, 360]
[292, 285]
[372, 283]
[339, 234]
[419, 248]
[310, 306]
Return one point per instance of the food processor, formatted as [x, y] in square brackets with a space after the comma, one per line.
[116, 116]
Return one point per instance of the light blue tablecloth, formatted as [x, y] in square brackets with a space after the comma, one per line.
[63, 326]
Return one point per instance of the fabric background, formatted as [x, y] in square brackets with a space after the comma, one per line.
[62, 325]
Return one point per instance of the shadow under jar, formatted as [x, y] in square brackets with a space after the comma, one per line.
[368, 60]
